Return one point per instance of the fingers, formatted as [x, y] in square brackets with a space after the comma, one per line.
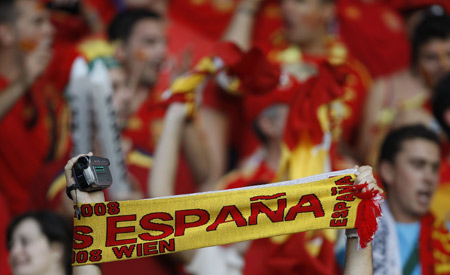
[73, 160]
[365, 175]
[68, 168]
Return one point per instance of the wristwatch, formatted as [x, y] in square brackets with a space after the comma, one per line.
[351, 233]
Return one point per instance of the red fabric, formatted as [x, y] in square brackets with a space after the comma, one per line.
[346, 81]
[265, 257]
[256, 74]
[318, 90]
[444, 170]
[25, 144]
[230, 106]
[229, 52]
[4, 222]
[105, 10]
[184, 182]
[368, 212]
[43, 182]
[375, 34]
[34, 131]
[161, 265]
[210, 18]
[139, 128]
[259, 83]
[143, 131]
[261, 175]
[434, 245]
[405, 5]
[69, 28]
[291, 256]
[255, 103]
[186, 43]
[52, 86]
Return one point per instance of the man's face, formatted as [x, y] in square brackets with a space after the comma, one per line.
[303, 19]
[145, 50]
[434, 60]
[414, 178]
[33, 26]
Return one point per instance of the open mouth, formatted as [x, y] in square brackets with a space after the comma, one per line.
[424, 197]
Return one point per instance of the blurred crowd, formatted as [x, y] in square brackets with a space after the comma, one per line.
[186, 96]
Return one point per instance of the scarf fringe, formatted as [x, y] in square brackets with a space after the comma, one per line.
[368, 214]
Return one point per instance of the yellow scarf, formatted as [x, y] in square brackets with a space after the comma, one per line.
[114, 231]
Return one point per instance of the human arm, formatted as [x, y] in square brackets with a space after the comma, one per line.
[196, 153]
[162, 177]
[214, 125]
[357, 260]
[83, 197]
[240, 27]
[372, 108]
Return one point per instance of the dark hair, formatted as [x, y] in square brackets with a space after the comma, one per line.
[8, 11]
[270, 112]
[441, 102]
[431, 27]
[259, 132]
[393, 142]
[54, 227]
[122, 25]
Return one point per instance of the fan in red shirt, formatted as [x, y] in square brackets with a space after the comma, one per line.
[32, 105]
[309, 46]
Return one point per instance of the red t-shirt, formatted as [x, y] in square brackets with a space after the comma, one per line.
[211, 18]
[24, 147]
[292, 255]
[4, 222]
[375, 34]
[35, 132]
[142, 131]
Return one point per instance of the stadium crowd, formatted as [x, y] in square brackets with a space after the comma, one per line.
[186, 96]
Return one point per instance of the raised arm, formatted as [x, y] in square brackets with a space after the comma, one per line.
[195, 150]
[359, 261]
[240, 27]
[162, 177]
[83, 197]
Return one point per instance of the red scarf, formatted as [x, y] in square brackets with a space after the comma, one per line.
[434, 244]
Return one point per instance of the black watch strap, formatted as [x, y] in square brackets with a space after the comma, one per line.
[69, 189]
